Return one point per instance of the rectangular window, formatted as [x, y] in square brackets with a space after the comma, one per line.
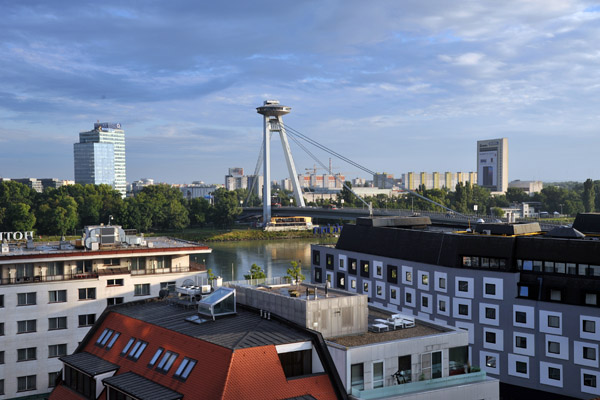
[53, 378]
[408, 297]
[379, 290]
[424, 302]
[554, 347]
[463, 309]
[353, 283]
[29, 353]
[490, 361]
[57, 323]
[1, 356]
[170, 286]
[521, 342]
[26, 383]
[87, 294]
[184, 369]
[137, 349]
[589, 380]
[142, 289]
[341, 263]
[490, 337]
[364, 269]
[378, 374]
[589, 353]
[408, 276]
[112, 261]
[26, 299]
[352, 264]
[425, 279]
[392, 274]
[155, 357]
[393, 294]
[57, 350]
[591, 299]
[296, 363]
[1, 300]
[1, 386]
[115, 282]
[463, 286]
[166, 362]
[104, 336]
[113, 340]
[366, 287]
[57, 296]
[26, 326]
[329, 261]
[554, 373]
[520, 317]
[111, 301]
[316, 257]
[127, 346]
[442, 305]
[589, 326]
[553, 321]
[357, 378]
[490, 313]
[87, 319]
[1, 328]
[490, 289]
[442, 283]
[521, 367]
[55, 268]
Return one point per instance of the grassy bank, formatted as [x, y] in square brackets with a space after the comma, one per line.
[229, 235]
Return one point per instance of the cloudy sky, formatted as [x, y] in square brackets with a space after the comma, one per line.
[396, 86]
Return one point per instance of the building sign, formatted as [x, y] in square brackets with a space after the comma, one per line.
[107, 125]
[16, 235]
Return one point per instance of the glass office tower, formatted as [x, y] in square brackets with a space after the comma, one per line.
[100, 156]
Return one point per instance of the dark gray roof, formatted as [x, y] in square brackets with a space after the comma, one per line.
[587, 223]
[565, 232]
[242, 330]
[89, 363]
[141, 388]
[305, 397]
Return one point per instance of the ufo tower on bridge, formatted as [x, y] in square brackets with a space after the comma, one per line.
[272, 112]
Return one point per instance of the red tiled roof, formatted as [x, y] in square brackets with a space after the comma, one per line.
[250, 373]
[256, 373]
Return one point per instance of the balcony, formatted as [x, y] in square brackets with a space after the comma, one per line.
[476, 379]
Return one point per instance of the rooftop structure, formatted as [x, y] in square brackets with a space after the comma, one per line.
[51, 293]
[527, 298]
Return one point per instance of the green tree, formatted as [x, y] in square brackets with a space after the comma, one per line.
[589, 195]
[58, 216]
[346, 195]
[516, 195]
[226, 207]
[294, 272]
[198, 211]
[256, 272]
[20, 217]
[497, 212]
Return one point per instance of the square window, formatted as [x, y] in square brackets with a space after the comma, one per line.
[442, 283]
[490, 313]
[553, 321]
[521, 367]
[521, 342]
[520, 317]
[142, 289]
[87, 293]
[490, 289]
[463, 309]
[589, 353]
[589, 326]
[490, 361]
[26, 383]
[591, 299]
[555, 295]
[523, 291]
[490, 337]
[554, 347]
[463, 286]
[589, 380]
[554, 373]
[184, 369]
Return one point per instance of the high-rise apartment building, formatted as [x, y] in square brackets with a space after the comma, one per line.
[492, 164]
[100, 156]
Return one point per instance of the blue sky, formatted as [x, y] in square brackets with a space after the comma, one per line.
[395, 86]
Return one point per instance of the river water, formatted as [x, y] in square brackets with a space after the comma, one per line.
[231, 260]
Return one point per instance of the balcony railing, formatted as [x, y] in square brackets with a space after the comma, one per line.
[420, 386]
[94, 275]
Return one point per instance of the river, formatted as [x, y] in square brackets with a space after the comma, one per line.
[231, 260]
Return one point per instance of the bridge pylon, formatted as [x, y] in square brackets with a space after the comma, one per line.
[272, 112]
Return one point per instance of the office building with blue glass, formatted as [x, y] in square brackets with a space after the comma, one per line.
[100, 156]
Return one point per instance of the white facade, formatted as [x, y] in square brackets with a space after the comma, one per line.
[492, 164]
[48, 302]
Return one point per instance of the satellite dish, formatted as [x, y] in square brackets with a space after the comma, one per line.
[188, 282]
[163, 293]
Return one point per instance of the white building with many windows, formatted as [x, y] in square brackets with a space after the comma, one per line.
[52, 293]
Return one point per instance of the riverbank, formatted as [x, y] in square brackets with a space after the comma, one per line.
[233, 235]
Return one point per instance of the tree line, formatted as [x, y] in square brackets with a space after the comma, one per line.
[64, 210]
[567, 198]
